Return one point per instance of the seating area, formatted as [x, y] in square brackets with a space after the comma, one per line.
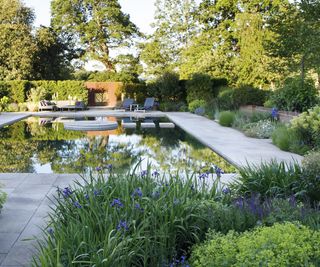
[61, 105]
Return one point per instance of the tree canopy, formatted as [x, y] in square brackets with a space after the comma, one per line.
[95, 26]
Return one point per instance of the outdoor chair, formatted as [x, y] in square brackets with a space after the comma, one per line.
[47, 105]
[126, 104]
[149, 103]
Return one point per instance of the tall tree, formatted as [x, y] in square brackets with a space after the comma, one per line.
[16, 41]
[174, 28]
[97, 26]
[52, 60]
[298, 35]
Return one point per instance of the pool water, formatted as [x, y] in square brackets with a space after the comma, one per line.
[42, 145]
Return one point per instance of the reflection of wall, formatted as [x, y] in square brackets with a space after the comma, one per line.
[103, 93]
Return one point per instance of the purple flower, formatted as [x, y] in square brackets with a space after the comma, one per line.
[226, 190]
[116, 203]
[97, 192]
[86, 196]
[138, 207]
[77, 204]
[98, 169]
[143, 173]
[137, 192]
[274, 113]
[239, 202]
[203, 176]
[155, 174]
[50, 231]
[122, 225]
[218, 171]
[67, 192]
[109, 167]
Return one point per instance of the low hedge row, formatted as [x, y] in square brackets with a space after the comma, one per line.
[17, 91]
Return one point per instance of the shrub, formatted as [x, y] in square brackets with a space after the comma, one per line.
[311, 176]
[130, 220]
[307, 125]
[242, 118]
[15, 90]
[226, 118]
[261, 129]
[172, 106]
[247, 95]
[4, 101]
[225, 99]
[288, 244]
[274, 179]
[135, 91]
[288, 139]
[3, 197]
[196, 104]
[167, 88]
[295, 95]
[200, 86]
[13, 107]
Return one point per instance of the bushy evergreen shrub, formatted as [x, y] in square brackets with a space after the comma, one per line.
[296, 95]
[193, 105]
[288, 244]
[226, 118]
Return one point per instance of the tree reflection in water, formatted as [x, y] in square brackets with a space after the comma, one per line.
[29, 143]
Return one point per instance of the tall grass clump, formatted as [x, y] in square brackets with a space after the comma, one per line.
[226, 118]
[274, 179]
[127, 220]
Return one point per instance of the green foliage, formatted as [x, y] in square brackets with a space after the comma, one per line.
[230, 99]
[295, 95]
[51, 60]
[193, 105]
[135, 91]
[311, 174]
[261, 129]
[274, 179]
[173, 106]
[3, 197]
[130, 220]
[4, 103]
[167, 88]
[102, 27]
[288, 244]
[226, 118]
[110, 76]
[225, 99]
[287, 139]
[200, 86]
[242, 118]
[37, 94]
[307, 125]
[17, 46]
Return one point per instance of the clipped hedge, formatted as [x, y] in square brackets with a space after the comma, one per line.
[233, 98]
[17, 90]
[135, 90]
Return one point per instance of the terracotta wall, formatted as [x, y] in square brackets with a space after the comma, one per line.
[111, 88]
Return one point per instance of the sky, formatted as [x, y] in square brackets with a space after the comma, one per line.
[141, 12]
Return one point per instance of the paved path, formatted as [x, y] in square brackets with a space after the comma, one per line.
[7, 118]
[231, 144]
[25, 212]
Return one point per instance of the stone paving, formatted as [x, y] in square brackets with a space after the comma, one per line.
[25, 213]
[7, 118]
[229, 143]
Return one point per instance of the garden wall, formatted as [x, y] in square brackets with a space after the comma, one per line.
[284, 116]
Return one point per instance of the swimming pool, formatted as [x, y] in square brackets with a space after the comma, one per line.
[42, 145]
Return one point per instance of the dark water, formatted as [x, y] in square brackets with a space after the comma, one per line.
[39, 145]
